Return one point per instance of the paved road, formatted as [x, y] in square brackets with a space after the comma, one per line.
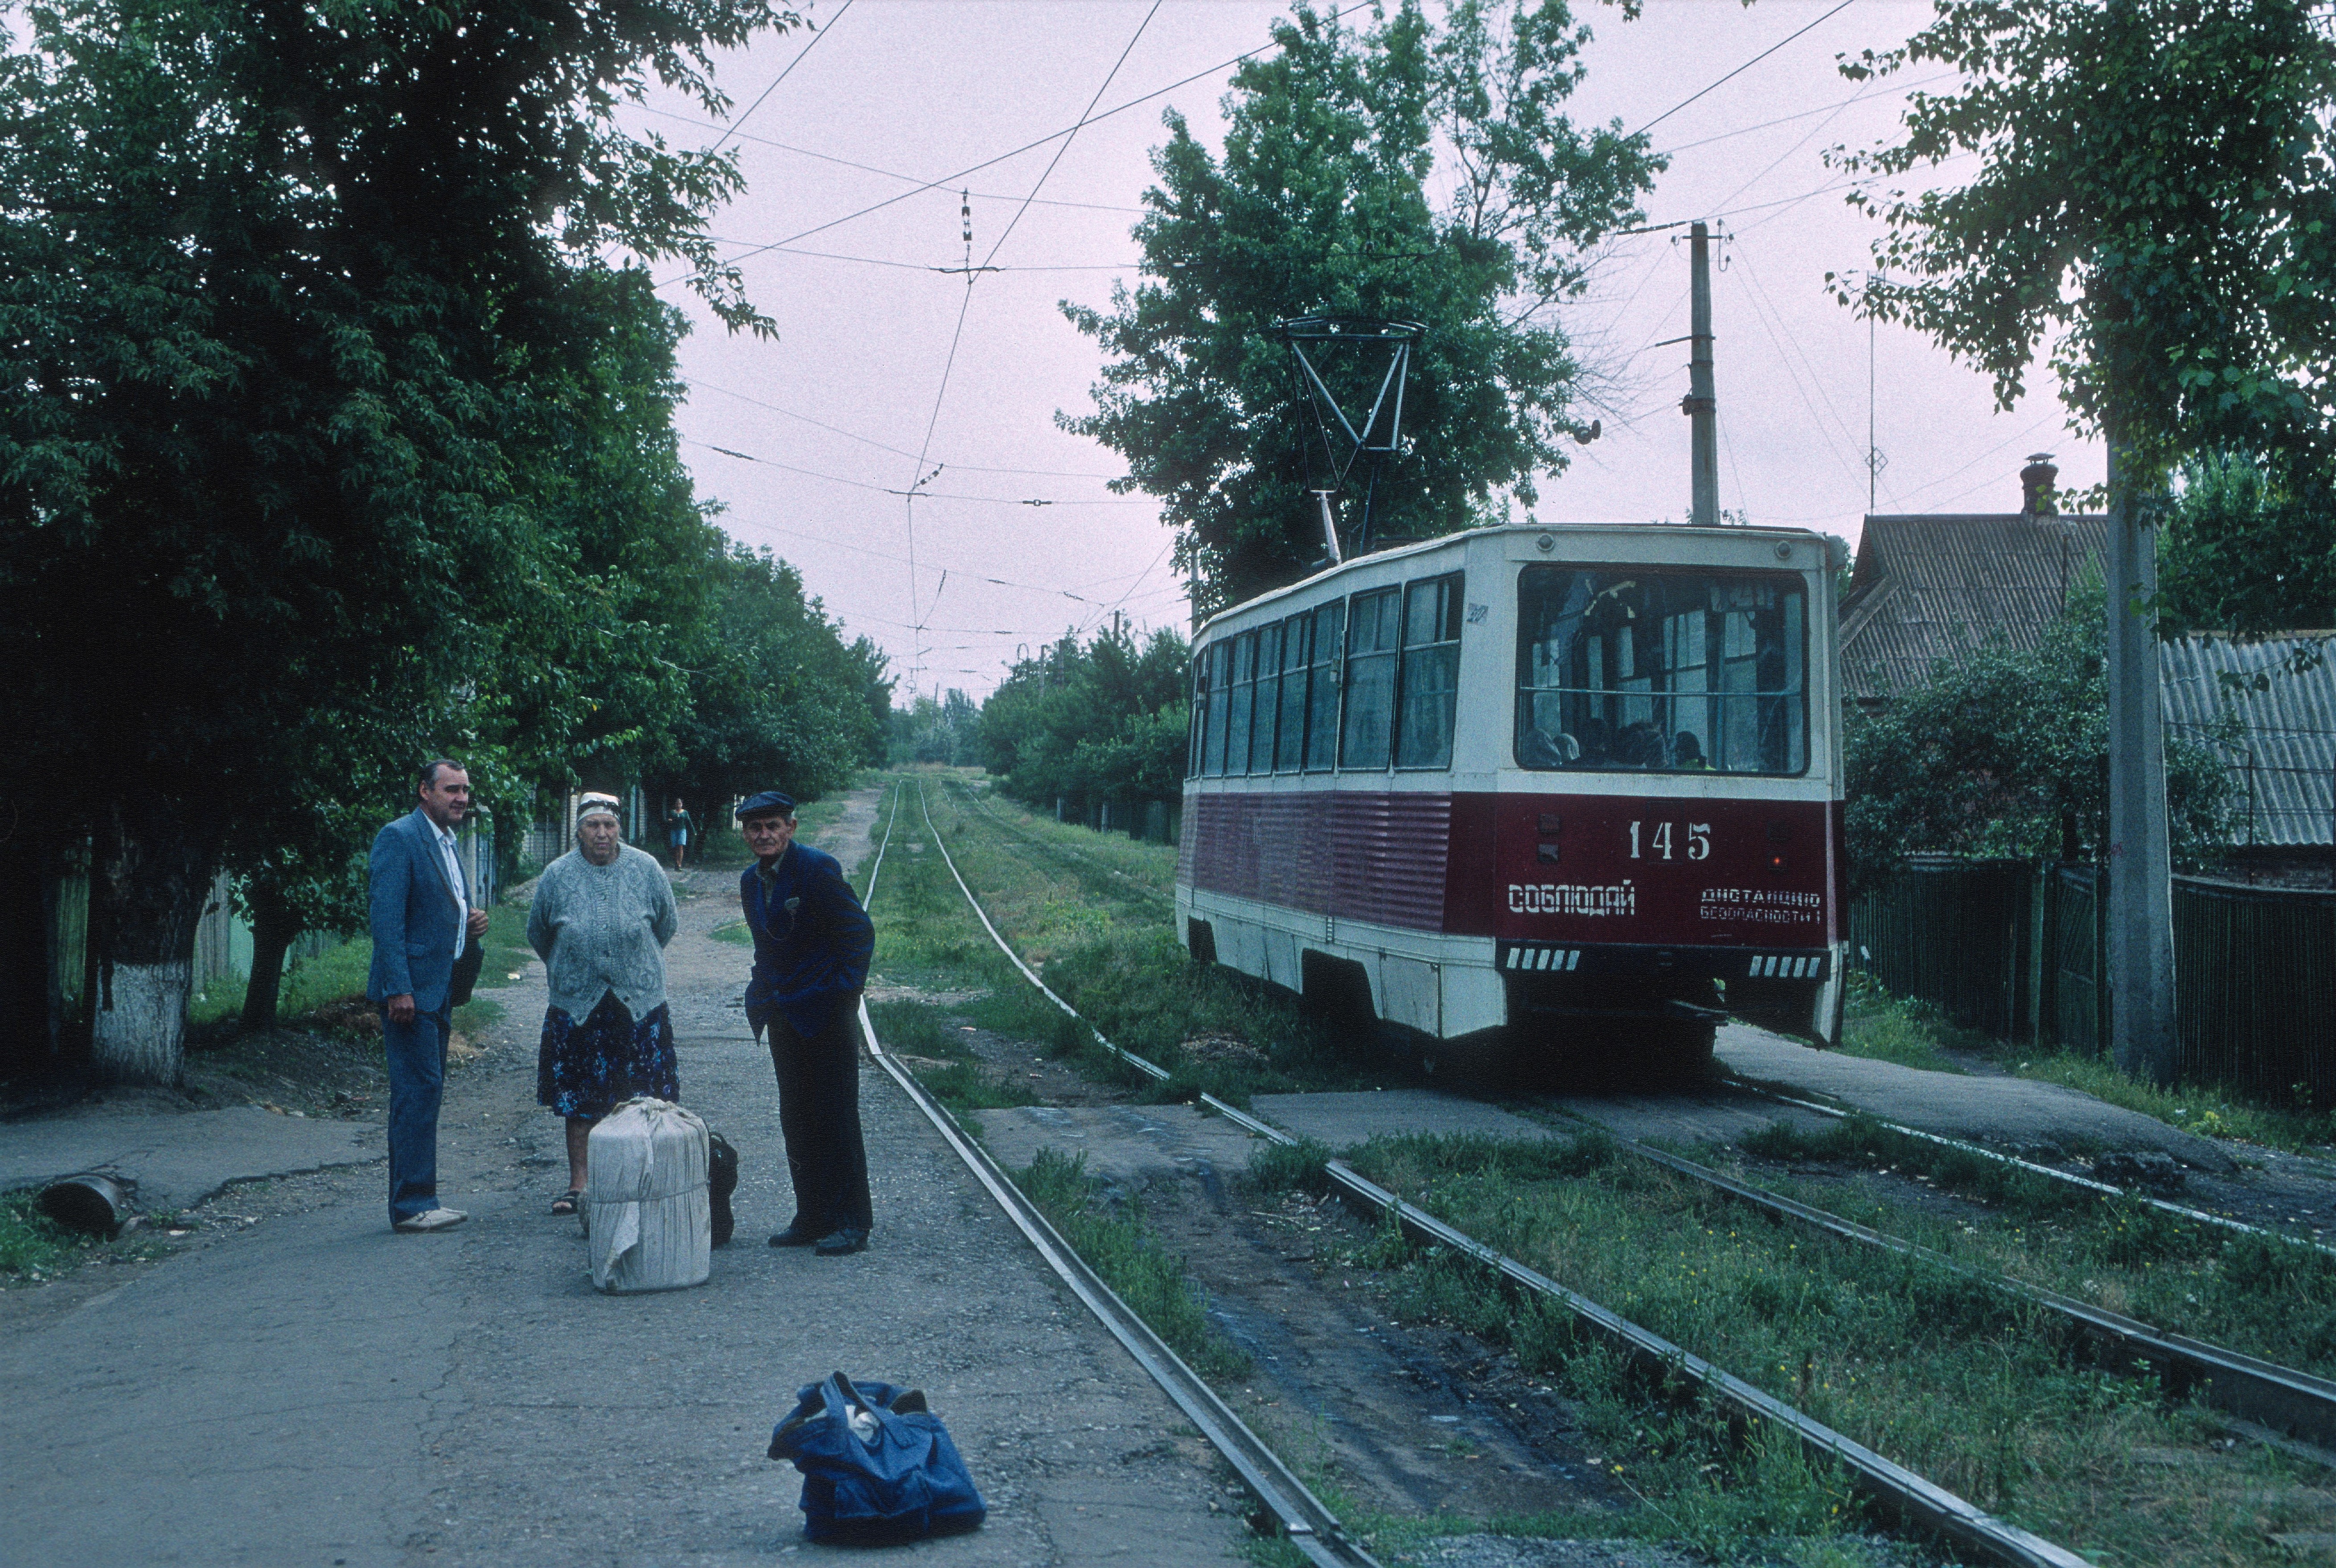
[317, 1390]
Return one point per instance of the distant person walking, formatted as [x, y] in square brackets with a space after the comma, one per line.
[421, 915]
[602, 915]
[677, 834]
[811, 945]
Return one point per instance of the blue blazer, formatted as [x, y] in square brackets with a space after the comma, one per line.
[813, 941]
[417, 931]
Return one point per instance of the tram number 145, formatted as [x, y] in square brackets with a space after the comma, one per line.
[1697, 845]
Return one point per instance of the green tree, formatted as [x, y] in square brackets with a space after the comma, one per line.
[1338, 144]
[1102, 722]
[2241, 552]
[2006, 752]
[2153, 212]
[279, 289]
[777, 697]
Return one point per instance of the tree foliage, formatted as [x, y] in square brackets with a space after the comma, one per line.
[333, 412]
[2006, 752]
[1326, 201]
[2154, 210]
[2239, 551]
[1105, 722]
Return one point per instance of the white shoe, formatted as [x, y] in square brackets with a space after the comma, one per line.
[430, 1219]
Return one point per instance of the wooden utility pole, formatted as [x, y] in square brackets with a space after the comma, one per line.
[2140, 861]
[1701, 406]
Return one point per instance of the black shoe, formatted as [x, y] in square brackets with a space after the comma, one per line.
[793, 1236]
[847, 1240]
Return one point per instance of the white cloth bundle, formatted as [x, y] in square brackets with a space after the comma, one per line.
[649, 1217]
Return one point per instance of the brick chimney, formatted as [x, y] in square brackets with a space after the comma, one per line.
[2036, 486]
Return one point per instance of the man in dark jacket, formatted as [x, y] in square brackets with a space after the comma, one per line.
[421, 915]
[811, 945]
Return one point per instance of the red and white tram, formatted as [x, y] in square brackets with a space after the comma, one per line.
[1580, 784]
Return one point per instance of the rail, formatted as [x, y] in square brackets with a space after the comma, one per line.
[1297, 1514]
[2103, 1189]
[1895, 1488]
[2240, 1384]
[990, 815]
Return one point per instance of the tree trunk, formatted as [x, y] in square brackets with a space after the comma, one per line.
[274, 928]
[150, 878]
[29, 1045]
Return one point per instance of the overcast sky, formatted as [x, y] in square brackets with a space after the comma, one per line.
[820, 424]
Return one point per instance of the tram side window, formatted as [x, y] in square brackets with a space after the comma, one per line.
[1268, 699]
[1290, 746]
[1212, 754]
[1243, 689]
[1322, 687]
[1374, 629]
[1430, 686]
[1194, 767]
[1670, 671]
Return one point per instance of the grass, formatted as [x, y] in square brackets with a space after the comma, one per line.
[1903, 1030]
[1122, 1249]
[1985, 1395]
[35, 1249]
[1915, 1034]
[2266, 1297]
[1101, 944]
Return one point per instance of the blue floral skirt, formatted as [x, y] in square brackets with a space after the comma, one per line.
[588, 1069]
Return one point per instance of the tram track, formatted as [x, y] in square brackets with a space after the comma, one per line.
[1897, 1491]
[1297, 1515]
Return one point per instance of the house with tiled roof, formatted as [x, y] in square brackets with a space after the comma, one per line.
[1927, 587]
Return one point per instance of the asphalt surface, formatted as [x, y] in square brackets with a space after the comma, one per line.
[179, 1158]
[315, 1389]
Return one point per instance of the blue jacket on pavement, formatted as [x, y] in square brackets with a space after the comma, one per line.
[813, 941]
[416, 927]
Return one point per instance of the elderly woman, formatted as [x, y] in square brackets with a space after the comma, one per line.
[602, 915]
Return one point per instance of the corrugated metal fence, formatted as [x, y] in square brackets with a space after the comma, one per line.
[2016, 951]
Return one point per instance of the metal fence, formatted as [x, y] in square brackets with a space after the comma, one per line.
[2019, 951]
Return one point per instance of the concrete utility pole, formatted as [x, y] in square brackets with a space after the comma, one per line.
[1701, 406]
[2141, 882]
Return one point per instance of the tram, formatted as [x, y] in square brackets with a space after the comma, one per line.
[1571, 788]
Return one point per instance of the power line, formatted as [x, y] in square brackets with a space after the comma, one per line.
[965, 306]
[890, 490]
[929, 266]
[1788, 119]
[1740, 71]
[948, 180]
[801, 151]
[882, 446]
[816, 34]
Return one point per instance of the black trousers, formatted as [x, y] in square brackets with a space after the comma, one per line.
[819, 1114]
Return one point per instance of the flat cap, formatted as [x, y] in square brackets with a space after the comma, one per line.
[768, 801]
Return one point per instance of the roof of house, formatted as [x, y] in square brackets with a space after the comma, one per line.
[1931, 587]
[1927, 587]
[2282, 763]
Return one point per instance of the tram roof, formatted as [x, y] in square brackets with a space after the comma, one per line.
[1527, 529]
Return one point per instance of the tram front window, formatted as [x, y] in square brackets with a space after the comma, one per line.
[1661, 671]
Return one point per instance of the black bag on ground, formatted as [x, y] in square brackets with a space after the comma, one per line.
[878, 1466]
[721, 1180]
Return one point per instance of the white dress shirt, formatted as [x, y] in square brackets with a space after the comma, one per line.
[455, 880]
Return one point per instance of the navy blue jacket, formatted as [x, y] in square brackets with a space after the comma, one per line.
[416, 929]
[813, 941]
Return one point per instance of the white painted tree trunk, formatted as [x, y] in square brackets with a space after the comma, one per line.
[140, 1029]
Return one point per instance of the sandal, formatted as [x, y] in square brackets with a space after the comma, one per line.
[566, 1203]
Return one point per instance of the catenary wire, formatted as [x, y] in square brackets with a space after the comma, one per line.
[816, 34]
[1740, 71]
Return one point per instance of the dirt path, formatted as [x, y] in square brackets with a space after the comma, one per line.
[315, 1388]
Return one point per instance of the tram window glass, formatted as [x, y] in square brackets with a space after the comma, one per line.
[1431, 667]
[1268, 699]
[1200, 722]
[1243, 689]
[1667, 671]
[1289, 743]
[1322, 687]
[1212, 757]
[1374, 625]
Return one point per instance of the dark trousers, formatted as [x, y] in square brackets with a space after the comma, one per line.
[819, 1113]
[417, 1082]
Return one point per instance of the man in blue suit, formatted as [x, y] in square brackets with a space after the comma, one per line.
[812, 942]
[421, 914]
